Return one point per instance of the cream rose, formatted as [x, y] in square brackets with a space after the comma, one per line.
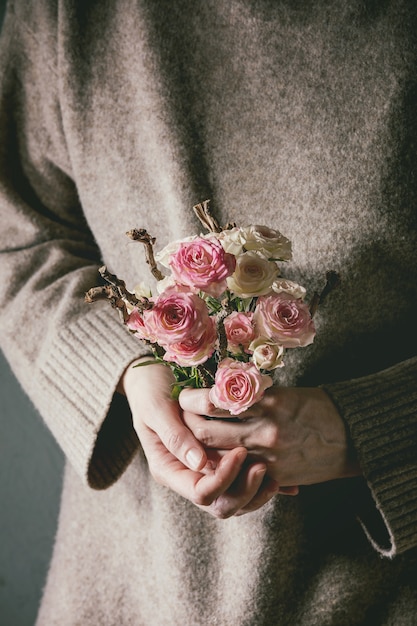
[253, 275]
[261, 238]
[233, 240]
[266, 354]
[268, 241]
[142, 290]
[288, 286]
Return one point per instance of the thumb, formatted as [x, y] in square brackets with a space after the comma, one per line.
[148, 391]
[176, 437]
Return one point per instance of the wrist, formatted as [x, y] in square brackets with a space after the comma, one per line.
[346, 463]
[128, 376]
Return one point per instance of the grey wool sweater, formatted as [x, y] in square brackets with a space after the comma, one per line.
[295, 114]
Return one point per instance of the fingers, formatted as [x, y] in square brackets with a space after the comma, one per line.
[241, 492]
[251, 491]
[198, 401]
[220, 481]
[219, 433]
[167, 425]
[266, 491]
[229, 487]
[200, 488]
[148, 390]
[178, 439]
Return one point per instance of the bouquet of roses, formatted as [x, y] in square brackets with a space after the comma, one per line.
[224, 315]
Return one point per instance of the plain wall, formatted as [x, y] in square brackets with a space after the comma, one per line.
[31, 467]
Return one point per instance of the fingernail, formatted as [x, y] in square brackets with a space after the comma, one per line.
[260, 473]
[194, 458]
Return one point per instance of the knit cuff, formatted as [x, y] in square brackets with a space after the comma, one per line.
[76, 396]
[380, 411]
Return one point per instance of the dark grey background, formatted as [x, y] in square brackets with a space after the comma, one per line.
[31, 468]
[30, 480]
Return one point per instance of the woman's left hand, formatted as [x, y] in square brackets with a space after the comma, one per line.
[297, 432]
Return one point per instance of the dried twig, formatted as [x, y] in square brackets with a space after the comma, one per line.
[142, 235]
[332, 282]
[119, 284]
[110, 293]
[105, 292]
[221, 333]
[206, 218]
[117, 294]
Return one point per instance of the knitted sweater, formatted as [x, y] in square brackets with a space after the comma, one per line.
[299, 115]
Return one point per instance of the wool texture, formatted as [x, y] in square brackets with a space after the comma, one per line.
[295, 114]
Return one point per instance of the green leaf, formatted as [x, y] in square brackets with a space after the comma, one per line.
[150, 363]
[190, 382]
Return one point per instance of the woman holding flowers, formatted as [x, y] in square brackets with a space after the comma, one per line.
[117, 114]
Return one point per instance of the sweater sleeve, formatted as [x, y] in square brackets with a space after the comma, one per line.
[380, 411]
[67, 355]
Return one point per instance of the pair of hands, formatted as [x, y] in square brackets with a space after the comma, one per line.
[293, 436]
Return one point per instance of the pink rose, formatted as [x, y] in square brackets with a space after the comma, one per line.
[193, 351]
[135, 323]
[202, 264]
[239, 330]
[238, 386]
[175, 317]
[284, 319]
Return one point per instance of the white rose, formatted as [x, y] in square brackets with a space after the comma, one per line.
[166, 283]
[232, 240]
[268, 241]
[142, 290]
[253, 276]
[267, 355]
[288, 286]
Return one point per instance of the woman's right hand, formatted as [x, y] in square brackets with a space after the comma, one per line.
[224, 484]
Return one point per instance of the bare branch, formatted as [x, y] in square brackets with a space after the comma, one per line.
[206, 218]
[119, 284]
[142, 235]
[95, 294]
[332, 282]
[110, 293]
